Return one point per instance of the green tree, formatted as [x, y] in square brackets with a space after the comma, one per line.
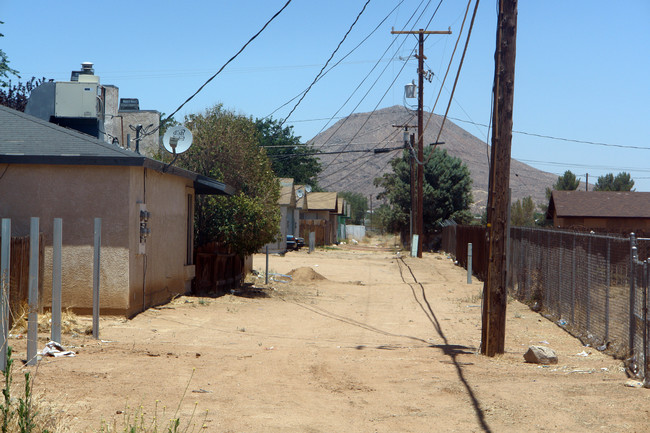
[566, 182]
[522, 212]
[447, 191]
[289, 157]
[166, 123]
[622, 182]
[358, 203]
[5, 70]
[226, 147]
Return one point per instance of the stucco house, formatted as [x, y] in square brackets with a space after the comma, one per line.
[600, 210]
[48, 171]
[289, 216]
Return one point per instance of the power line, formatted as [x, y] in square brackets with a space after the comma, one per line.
[395, 79]
[326, 63]
[551, 137]
[338, 63]
[380, 75]
[225, 64]
[460, 66]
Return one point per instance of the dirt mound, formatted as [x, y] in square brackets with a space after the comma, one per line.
[303, 275]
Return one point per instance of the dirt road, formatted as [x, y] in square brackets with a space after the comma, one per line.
[359, 341]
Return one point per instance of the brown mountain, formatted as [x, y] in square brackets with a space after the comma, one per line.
[355, 171]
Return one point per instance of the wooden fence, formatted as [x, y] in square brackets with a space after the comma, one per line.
[320, 227]
[455, 240]
[217, 269]
[19, 275]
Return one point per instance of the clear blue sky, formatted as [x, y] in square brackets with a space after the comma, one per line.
[582, 72]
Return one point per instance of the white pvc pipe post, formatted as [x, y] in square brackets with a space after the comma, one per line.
[32, 317]
[57, 244]
[96, 261]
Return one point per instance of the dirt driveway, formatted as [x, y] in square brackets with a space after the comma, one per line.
[352, 344]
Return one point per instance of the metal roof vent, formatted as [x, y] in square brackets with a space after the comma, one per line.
[87, 68]
[87, 71]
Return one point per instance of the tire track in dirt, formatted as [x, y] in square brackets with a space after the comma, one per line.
[449, 349]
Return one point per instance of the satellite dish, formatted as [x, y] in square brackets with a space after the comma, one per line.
[308, 188]
[299, 193]
[177, 139]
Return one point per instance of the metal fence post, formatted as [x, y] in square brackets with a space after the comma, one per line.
[266, 279]
[32, 317]
[607, 284]
[547, 279]
[469, 263]
[633, 258]
[57, 243]
[589, 283]
[96, 262]
[646, 380]
[559, 278]
[5, 266]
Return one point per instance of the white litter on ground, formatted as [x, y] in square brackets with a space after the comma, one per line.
[55, 349]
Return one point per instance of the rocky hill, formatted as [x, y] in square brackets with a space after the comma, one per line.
[355, 171]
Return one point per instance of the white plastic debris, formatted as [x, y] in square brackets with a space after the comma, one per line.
[583, 353]
[55, 349]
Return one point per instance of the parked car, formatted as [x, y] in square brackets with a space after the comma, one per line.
[291, 242]
[300, 242]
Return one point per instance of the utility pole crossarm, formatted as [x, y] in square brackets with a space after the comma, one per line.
[424, 32]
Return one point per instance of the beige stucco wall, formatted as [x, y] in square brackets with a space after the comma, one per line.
[78, 194]
[162, 270]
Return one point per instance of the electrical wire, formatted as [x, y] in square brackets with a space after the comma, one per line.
[444, 79]
[326, 63]
[377, 63]
[396, 76]
[551, 137]
[382, 72]
[224, 65]
[338, 170]
[460, 67]
[338, 63]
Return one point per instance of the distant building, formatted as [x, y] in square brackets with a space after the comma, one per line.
[289, 217]
[613, 211]
[84, 104]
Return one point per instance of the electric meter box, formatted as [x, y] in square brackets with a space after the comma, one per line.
[77, 99]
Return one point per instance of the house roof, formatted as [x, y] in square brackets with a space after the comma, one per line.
[322, 201]
[26, 139]
[603, 204]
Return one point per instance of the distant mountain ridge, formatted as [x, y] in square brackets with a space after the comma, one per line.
[355, 171]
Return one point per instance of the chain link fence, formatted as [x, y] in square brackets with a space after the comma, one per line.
[593, 285]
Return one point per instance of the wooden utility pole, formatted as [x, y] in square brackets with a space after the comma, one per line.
[410, 137]
[414, 193]
[495, 288]
[419, 219]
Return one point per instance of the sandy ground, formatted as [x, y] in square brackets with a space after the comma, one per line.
[358, 341]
